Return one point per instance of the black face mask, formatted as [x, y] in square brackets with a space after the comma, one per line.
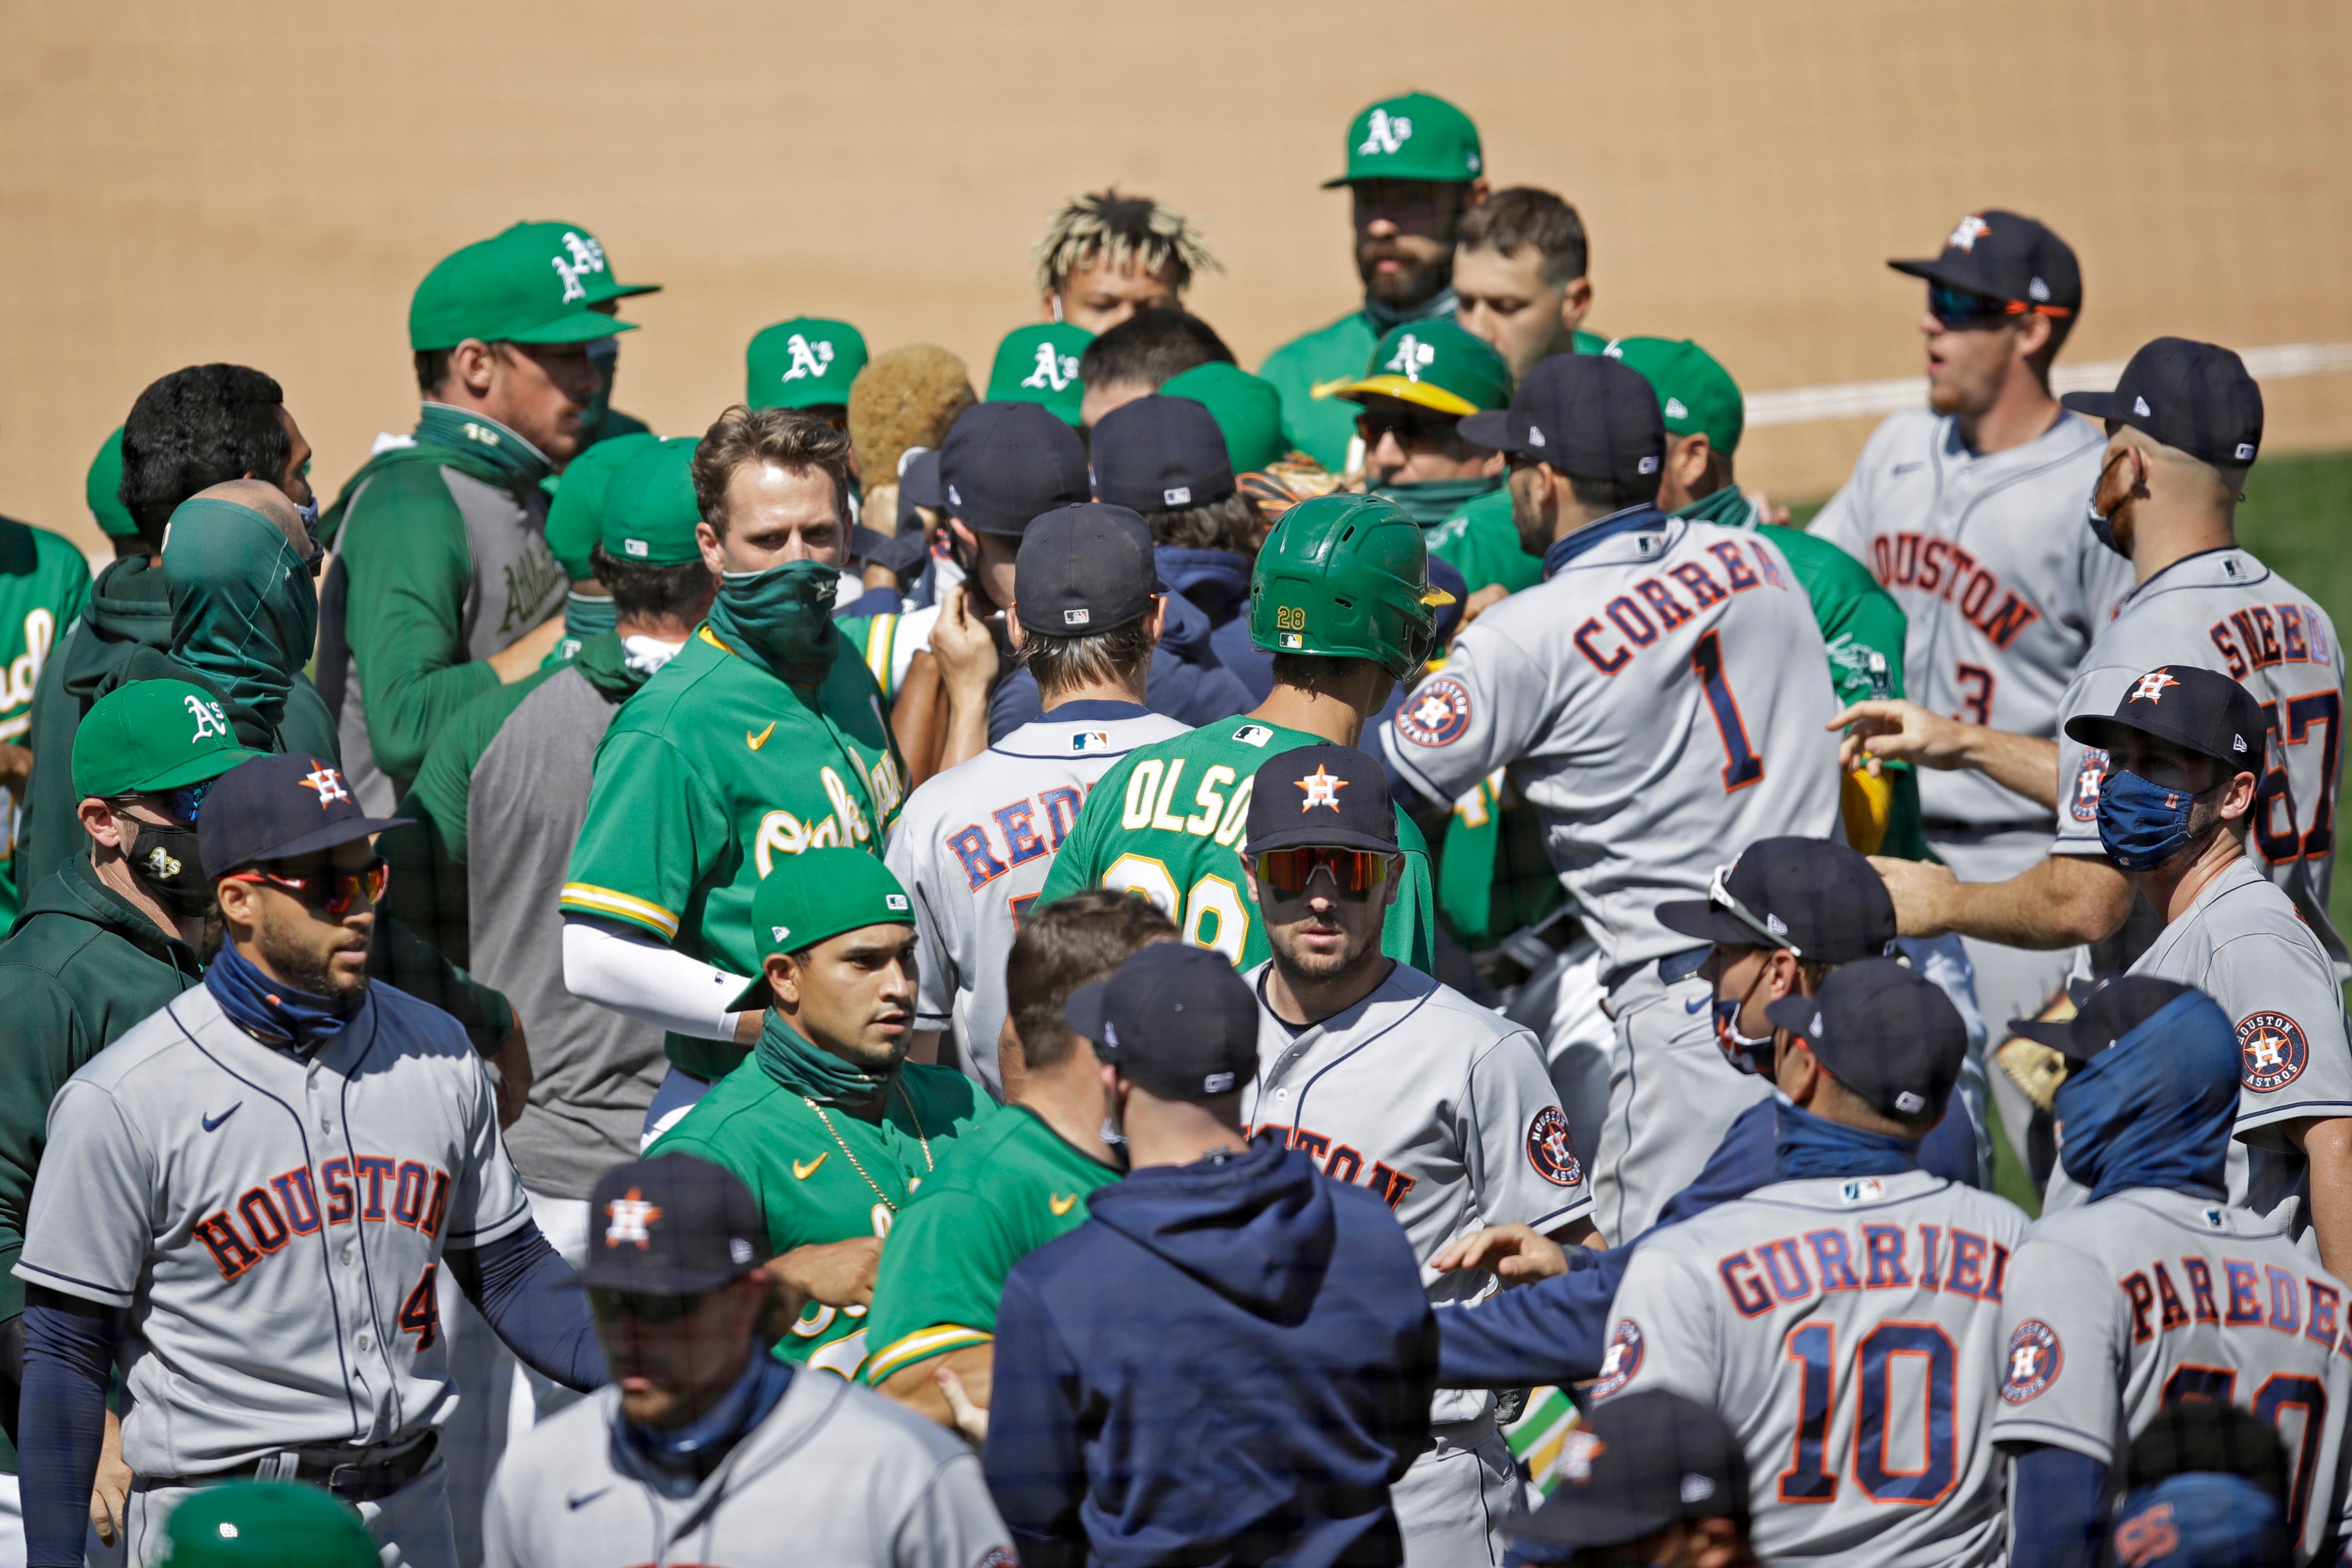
[164, 857]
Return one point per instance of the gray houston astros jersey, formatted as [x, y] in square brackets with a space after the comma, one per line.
[1442, 1107]
[2118, 1308]
[973, 846]
[2001, 579]
[2225, 611]
[836, 1473]
[1849, 1330]
[273, 1226]
[1664, 697]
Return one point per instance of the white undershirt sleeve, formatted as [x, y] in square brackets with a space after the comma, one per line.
[637, 976]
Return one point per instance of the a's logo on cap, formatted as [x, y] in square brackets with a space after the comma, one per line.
[2034, 1358]
[1177, 495]
[1076, 618]
[1646, 466]
[630, 1216]
[586, 257]
[1385, 132]
[894, 903]
[2152, 687]
[809, 360]
[2140, 407]
[2246, 451]
[1675, 409]
[1322, 788]
[326, 782]
[1577, 1452]
[210, 720]
[1412, 355]
[1966, 232]
[2274, 1051]
[1217, 1083]
[1055, 372]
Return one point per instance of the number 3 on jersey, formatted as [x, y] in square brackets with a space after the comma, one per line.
[1209, 915]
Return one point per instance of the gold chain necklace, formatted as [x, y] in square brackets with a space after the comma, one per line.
[921, 1137]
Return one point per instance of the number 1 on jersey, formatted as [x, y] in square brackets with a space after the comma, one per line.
[1741, 766]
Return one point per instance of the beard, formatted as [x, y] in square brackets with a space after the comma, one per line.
[1535, 535]
[1320, 969]
[306, 968]
[1417, 278]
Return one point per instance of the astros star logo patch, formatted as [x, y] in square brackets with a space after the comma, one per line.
[2152, 687]
[2034, 1358]
[1437, 714]
[1549, 1150]
[2271, 1051]
[630, 1214]
[1622, 1359]
[1322, 788]
[326, 782]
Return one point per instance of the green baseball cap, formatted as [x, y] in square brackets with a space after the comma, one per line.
[151, 736]
[1039, 364]
[575, 518]
[524, 286]
[1416, 137]
[806, 362]
[1248, 409]
[1438, 365]
[1696, 394]
[103, 487]
[649, 509]
[267, 1524]
[817, 894]
[586, 254]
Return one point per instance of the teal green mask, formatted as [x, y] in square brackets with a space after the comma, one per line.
[243, 611]
[804, 1068]
[780, 618]
[1432, 502]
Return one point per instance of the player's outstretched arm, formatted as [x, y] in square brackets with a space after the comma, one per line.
[532, 1299]
[2065, 900]
[1897, 730]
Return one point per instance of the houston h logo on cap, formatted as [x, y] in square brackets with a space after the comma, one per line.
[630, 1216]
[325, 782]
[2152, 687]
[1322, 788]
[1965, 233]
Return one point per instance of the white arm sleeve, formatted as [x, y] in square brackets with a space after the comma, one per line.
[638, 977]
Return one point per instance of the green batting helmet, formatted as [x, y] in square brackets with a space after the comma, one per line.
[1347, 577]
[267, 1524]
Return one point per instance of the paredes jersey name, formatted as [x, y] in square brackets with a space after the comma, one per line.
[1663, 697]
[1848, 1328]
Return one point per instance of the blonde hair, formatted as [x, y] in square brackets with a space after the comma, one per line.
[1108, 226]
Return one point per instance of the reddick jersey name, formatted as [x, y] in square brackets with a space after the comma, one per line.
[1664, 696]
[272, 1225]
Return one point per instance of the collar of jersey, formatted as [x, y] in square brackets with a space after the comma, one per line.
[1092, 710]
[1594, 534]
[2144, 588]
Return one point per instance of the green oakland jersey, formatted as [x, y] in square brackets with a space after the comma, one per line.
[1166, 823]
[1482, 543]
[821, 1174]
[707, 774]
[1005, 1191]
[44, 583]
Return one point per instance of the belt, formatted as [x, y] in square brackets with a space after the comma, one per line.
[355, 1475]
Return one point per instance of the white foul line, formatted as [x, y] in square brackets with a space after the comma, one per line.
[1852, 399]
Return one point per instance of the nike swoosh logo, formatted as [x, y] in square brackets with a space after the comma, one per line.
[1325, 388]
[212, 1123]
[1060, 1204]
[760, 740]
[582, 1499]
[801, 1173]
[1695, 1006]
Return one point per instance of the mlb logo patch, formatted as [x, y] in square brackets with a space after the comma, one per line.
[1253, 735]
[894, 903]
[1177, 495]
[1076, 618]
[635, 547]
[1090, 740]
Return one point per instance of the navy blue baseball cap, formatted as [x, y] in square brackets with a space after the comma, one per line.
[2202, 1520]
[1084, 569]
[2198, 710]
[1888, 1034]
[1586, 415]
[2110, 1013]
[2006, 256]
[275, 808]
[1821, 900]
[1173, 1017]
[2195, 396]
[1004, 463]
[1327, 796]
[672, 1225]
[1636, 1464]
[1159, 454]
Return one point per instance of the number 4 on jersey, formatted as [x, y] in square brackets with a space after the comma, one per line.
[420, 1311]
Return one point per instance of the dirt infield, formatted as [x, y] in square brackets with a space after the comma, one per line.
[265, 181]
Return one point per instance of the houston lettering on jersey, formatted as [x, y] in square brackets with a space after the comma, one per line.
[1924, 563]
[1025, 830]
[1862, 1257]
[1343, 1163]
[2260, 636]
[370, 1189]
[2248, 1297]
[1635, 619]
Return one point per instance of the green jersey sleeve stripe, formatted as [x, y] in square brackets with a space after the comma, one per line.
[584, 897]
[880, 643]
[922, 1345]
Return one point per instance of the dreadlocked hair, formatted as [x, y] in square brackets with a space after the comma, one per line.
[1108, 226]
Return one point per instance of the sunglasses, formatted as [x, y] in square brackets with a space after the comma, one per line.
[1410, 430]
[1718, 893]
[183, 803]
[645, 1306]
[332, 892]
[1354, 872]
[1962, 310]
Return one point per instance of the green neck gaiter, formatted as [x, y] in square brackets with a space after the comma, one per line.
[780, 619]
[1727, 505]
[1434, 500]
[481, 445]
[1384, 316]
[824, 1078]
[243, 611]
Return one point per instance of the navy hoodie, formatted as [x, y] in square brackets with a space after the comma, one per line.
[1230, 1361]
[1185, 681]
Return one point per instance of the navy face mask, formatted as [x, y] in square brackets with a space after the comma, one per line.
[2142, 825]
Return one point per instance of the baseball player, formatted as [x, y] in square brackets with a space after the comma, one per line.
[706, 1448]
[763, 738]
[806, 363]
[975, 844]
[1106, 256]
[271, 1284]
[1390, 1081]
[826, 1121]
[1340, 594]
[1663, 692]
[1845, 1319]
[2157, 1291]
[1039, 363]
[1966, 510]
[42, 592]
[1422, 380]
